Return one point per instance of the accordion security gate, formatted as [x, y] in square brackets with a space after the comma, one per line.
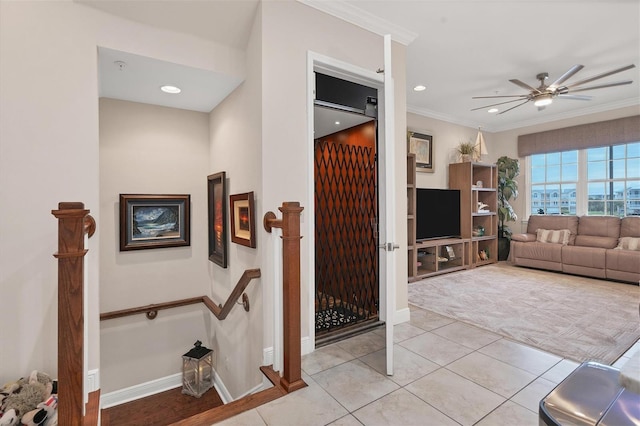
[346, 254]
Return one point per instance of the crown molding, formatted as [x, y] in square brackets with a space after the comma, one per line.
[526, 123]
[570, 114]
[356, 16]
[448, 118]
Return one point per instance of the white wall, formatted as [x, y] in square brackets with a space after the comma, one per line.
[236, 148]
[290, 30]
[147, 149]
[49, 153]
[446, 137]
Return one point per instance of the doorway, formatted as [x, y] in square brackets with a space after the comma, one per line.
[346, 216]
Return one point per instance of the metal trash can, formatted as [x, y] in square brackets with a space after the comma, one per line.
[591, 395]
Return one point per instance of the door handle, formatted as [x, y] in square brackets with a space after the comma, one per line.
[389, 246]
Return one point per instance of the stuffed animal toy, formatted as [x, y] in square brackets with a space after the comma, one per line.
[44, 415]
[9, 388]
[40, 377]
[9, 418]
[24, 398]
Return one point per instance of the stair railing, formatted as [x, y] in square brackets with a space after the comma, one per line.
[74, 222]
[220, 311]
[291, 379]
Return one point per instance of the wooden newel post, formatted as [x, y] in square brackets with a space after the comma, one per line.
[290, 224]
[73, 222]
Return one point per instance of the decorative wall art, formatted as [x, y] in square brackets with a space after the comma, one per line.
[422, 146]
[217, 195]
[154, 221]
[243, 228]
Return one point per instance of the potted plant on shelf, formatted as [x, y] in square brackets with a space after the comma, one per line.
[467, 151]
[508, 170]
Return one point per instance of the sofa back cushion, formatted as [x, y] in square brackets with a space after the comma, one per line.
[630, 226]
[553, 222]
[598, 231]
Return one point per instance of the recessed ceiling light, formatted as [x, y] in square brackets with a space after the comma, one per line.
[492, 110]
[171, 89]
[337, 123]
[420, 88]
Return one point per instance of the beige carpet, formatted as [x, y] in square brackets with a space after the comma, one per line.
[573, 317]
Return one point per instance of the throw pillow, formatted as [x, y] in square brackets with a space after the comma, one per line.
[629, 243]
[554, 236]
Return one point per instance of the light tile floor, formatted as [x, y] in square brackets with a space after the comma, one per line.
[445, 373]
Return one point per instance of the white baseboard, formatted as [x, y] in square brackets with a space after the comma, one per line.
[160, 385]
[222, 390]
[132, 393]
[402, 315]
[93, 380]
[307, 345]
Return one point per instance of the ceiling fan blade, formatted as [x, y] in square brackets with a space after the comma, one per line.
[524, 85]
[601, 86]
[576, 97]
[596, 77]
[499, 96]
[499, 103]
[564, 77]
[514, 107]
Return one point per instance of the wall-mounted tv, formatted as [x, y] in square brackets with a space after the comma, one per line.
[437, 213]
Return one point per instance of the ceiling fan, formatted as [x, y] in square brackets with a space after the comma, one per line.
[544, 94]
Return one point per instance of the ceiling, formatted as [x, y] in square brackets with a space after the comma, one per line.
[457, 49]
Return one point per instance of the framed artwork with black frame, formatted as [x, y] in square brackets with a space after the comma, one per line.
[217, 196]
[154, 221]
[421, 145]
[243, 223]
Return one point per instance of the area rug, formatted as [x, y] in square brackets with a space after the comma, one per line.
[574, 317]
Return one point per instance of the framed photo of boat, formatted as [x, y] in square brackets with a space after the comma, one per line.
[154, 221]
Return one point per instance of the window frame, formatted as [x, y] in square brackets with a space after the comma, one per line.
[581, 185]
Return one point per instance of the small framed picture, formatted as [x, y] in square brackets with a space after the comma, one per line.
[154, 221]
[243, 228]
[422, 146]
[217, 196]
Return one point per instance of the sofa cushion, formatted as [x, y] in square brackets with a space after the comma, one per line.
[539, 251]
[554, 236]
[599, 226]
[553, 222]
[598, 231]
[629, 243]
[595, 241]
[630, 226]
[624, 261]
[589, 257]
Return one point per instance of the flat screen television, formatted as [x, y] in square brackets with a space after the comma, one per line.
[437, 213]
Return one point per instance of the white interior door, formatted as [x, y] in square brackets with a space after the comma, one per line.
[387, 195]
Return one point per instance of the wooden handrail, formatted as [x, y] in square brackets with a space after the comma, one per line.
[74, 222]
[220, 311]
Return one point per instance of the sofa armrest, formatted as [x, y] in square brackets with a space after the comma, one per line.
[525, 238]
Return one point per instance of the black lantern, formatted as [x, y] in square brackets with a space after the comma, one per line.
[197, 370]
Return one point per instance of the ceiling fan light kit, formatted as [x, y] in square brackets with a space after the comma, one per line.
[543, 100]
[544, 94]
